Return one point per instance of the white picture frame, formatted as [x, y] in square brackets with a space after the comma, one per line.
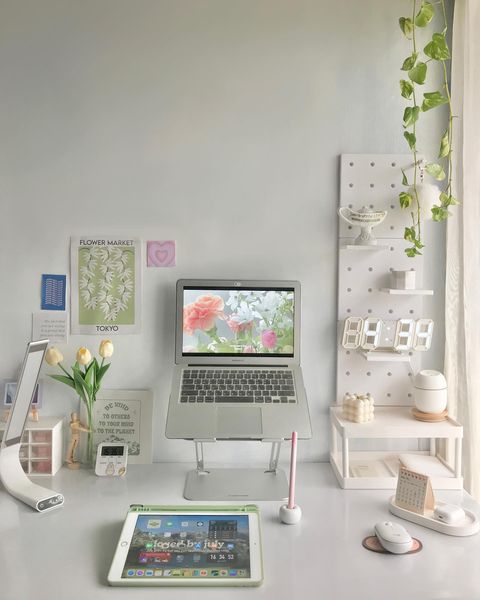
[10, 388]
[125, 416]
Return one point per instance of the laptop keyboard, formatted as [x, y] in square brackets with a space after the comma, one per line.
[238, 386]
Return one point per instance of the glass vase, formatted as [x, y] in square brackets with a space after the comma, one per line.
[87, 457]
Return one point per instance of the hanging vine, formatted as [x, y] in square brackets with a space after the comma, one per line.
[416, 67]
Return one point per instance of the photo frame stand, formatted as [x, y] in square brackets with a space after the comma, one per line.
[232, 483]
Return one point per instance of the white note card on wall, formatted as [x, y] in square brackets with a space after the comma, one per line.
[50, 325]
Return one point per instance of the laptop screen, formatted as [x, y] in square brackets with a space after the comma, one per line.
[225, 321]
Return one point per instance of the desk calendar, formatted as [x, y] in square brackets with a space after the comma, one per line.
[414, 492]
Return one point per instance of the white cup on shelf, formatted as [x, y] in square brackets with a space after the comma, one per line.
[430, 391]
[403, 280]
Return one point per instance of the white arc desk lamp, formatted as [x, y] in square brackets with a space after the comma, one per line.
[11, 473]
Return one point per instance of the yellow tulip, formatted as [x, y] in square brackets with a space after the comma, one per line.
[106, 348]
[53, 356]
[83, 356]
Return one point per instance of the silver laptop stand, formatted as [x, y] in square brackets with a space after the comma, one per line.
[236, 483]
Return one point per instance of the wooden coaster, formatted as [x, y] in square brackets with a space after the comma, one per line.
[371, 543]
[429, 417]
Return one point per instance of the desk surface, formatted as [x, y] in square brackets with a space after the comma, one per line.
[67, 553]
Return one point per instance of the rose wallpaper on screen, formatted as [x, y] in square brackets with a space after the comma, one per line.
[236, 322]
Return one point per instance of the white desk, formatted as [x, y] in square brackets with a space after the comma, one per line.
[66, 554]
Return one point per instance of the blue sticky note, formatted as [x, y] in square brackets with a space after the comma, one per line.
[54, 288]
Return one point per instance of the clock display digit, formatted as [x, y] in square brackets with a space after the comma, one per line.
[404, 335]
[352, 333]
[423, 335]
[371, 333]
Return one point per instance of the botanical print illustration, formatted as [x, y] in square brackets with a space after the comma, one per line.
[105, 285]
[233, 322]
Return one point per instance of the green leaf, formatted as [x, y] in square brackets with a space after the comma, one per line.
[404, 178]
[64, 379]
[90, 375]
[83, 388]
[410, 61]
[410, 115]
[406, 25]
[412, 252]
[437, 48]
[444, 146]
[409, 234]
[424, 15]
[432, 100]
[439, 213]
[406, 88]
[411, 139]
[446, 200]
[101, 372]
[418, 73]
[435, 170]
[405, 199]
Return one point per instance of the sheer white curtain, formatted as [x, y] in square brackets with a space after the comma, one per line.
[462, 354]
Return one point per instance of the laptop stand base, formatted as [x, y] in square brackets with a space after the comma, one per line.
[236, 484]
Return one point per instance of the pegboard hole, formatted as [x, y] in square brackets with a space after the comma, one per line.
[392, 206]
[349, 226]
[350, 185]
[370, 268]
[349, 289]
[372, 185]
[370, 290]
[410, 374]
[391, 250]
[372, 164]
[409, 395]
[369, 311]
[394, 164]
[371, 205]
[347, 373]
[369, 373]
[349, 310]
[391, 268]
[411, 311]
[410, 354]
[392, 227]
[350, 206]
[349, 268]
[392, 185]
[390, 310]
[351, 164]
[389, 374]
[348, 352]
[388, 395]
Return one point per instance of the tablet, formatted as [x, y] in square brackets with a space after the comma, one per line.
[189, 545]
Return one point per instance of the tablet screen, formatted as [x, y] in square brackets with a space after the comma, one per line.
[193, 546]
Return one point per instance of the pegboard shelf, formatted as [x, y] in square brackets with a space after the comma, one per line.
[378, 469]
[396, 292]
[364, 248]
[377, 356]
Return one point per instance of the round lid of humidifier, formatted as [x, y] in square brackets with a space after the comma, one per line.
[428, 379]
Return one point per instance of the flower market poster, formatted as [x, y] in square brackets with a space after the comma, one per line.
[106, 284]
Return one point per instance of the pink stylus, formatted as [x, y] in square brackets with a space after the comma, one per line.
[293, 471]
[291, 513]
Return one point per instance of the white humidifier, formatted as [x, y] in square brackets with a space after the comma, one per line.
[430, 391]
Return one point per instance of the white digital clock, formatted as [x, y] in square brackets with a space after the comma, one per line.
[401, 335]
[111, 459]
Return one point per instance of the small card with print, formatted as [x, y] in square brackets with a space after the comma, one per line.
[414, 492]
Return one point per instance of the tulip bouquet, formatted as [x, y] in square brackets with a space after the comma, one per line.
[85, 378]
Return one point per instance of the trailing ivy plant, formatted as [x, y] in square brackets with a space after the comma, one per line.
[416, 67]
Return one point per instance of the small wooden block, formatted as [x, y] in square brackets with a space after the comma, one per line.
[429, 417]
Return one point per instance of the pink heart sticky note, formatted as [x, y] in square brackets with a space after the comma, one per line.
[161, 253]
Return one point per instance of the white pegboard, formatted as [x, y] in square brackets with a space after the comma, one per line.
[375, 181]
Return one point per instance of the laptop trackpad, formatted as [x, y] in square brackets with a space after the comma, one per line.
[236, 421]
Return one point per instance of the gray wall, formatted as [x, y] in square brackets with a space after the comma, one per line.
[216, 123]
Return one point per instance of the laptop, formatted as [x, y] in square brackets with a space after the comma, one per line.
[237, 355]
